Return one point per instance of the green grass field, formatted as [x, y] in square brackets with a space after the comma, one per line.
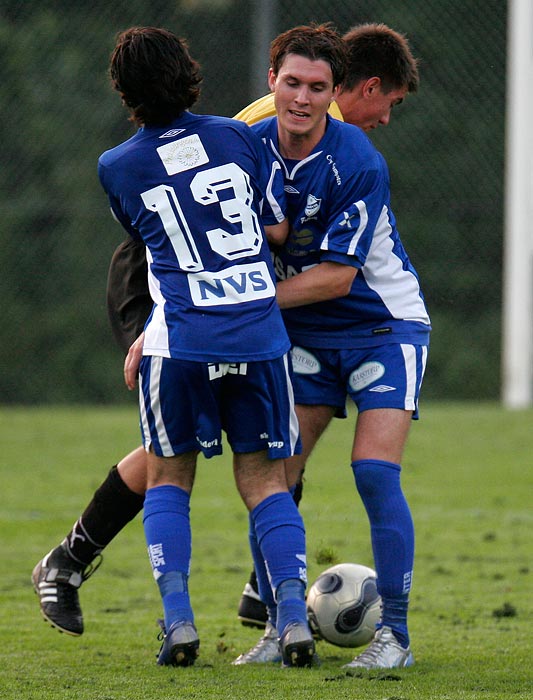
[468, 474]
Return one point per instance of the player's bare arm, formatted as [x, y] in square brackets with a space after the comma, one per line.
[277, 233]
[325, 281]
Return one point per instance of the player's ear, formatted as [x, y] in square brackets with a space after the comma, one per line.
[271, 80]
[371, 86]
[336, 91]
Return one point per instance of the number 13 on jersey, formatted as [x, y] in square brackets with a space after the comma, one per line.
[235, 284]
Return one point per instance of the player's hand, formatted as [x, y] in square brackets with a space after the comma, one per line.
[132, 362]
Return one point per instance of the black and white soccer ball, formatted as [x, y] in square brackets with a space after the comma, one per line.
[343, 605]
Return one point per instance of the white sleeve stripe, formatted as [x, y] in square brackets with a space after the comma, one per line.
[363, 222]
[363, 216]
[273, 202]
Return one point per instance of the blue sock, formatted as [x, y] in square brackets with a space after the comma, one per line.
[291, 603]
[280, 534]
[263, 581]
[168, 536]
[392, 533]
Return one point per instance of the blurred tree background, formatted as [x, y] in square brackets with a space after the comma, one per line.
[445, 149]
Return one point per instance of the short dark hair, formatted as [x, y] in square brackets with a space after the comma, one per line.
[316, 42]
[378, 50]
[155, 74]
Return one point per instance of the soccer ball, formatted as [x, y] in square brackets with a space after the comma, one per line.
[343, 605]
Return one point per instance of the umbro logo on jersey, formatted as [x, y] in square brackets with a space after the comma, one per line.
[290, 189]
[171, 133]
[382, 388]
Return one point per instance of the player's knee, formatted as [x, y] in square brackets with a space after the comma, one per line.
[373, 477]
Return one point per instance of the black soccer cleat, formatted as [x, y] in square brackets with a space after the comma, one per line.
[56, 580]
[252, 611]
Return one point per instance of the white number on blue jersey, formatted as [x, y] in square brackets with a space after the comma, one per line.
[206, 187]
[162, 199]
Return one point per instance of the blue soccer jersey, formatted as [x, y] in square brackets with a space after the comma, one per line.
[338, 202]
[200, 214]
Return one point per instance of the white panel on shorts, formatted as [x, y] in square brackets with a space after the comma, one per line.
[411, 379]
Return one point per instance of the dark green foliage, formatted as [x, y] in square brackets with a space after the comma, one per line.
[445, 150]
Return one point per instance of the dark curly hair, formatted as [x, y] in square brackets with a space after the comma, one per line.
[154, 73]
[316, 42]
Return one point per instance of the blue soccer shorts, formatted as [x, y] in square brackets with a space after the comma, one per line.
[184, 406]
[386, 376]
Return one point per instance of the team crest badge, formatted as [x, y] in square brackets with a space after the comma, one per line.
[313, 205]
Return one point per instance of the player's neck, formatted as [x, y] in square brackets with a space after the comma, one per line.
[298, 146]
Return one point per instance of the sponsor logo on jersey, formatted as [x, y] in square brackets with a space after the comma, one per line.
[171, 133]
[234, 285]
[299, 239]
[290, 189]
[183, 154]
[366, 374]
[302, 237]
[303, 362]
[312, 206]
[334, 170]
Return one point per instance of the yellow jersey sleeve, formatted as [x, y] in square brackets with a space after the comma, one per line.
[260, 109]
[335, 112]
[264, 107]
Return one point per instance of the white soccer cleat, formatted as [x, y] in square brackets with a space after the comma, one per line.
[265, 651]
[384, 652]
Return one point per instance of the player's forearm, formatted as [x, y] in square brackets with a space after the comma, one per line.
[277, 233]
[321, 283]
